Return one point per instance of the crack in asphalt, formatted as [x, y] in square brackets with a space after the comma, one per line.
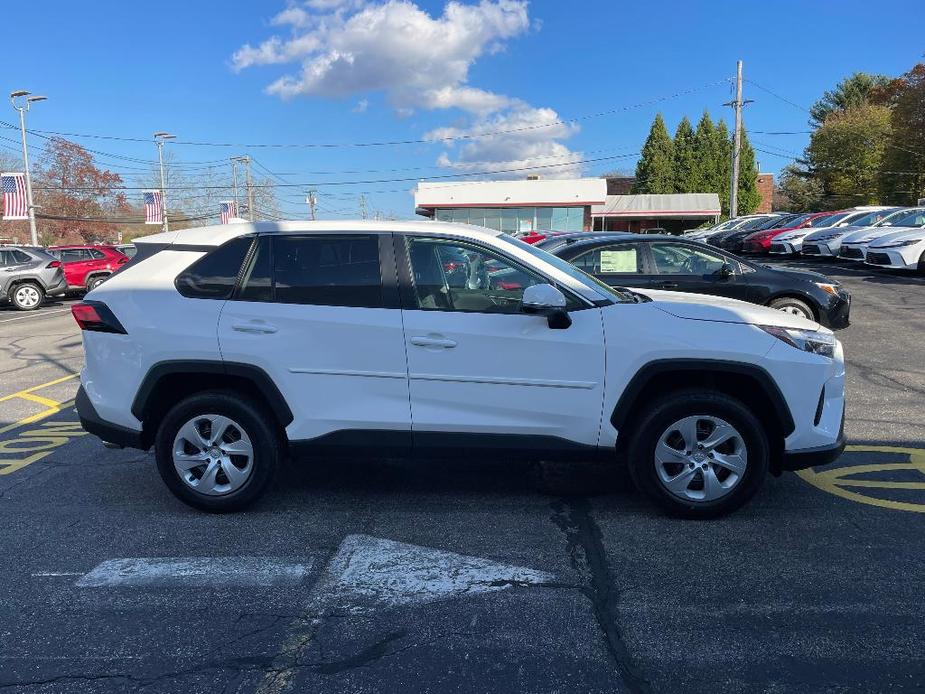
[586, 553]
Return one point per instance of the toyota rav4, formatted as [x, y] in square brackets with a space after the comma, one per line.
[230, 348]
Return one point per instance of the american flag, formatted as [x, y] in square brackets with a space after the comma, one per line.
[152, 206]
[228, 209]
[14, 196]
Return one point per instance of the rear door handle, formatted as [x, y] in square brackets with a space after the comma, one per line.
[254, 328]
[668, 285]
[429, 341]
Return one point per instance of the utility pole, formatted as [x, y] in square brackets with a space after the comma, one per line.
[234, 183]
[312, 201]
[246, 160]
[364, 213]
[26, 105]
[159, 138]
[737, 142]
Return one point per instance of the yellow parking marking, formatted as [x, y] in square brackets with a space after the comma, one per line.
[836, 480]
[32, 445]
[48, 402]
[26, 391]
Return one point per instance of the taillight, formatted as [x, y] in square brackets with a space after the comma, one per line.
[53, 264]
[97, 317]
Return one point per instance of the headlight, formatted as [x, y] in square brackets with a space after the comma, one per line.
[900, 244]
[811, 341]
[827, 287]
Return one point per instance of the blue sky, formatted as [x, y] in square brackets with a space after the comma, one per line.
[128, 69]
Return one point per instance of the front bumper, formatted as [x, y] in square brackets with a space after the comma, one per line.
[784, 247]
[813, 457]
[836, 314]
[107, 431]
[819, 249]
[855, 253]
[892, 258]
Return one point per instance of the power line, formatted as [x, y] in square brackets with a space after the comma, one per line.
[389, 143]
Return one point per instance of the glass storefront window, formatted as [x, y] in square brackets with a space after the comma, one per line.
[516, 220]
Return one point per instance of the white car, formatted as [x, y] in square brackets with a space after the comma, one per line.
[854, 246]
[790, 242]
[826, 242]
[229, 347]
[902, 250]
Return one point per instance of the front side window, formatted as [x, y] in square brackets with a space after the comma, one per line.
[74, 255]
[450, 276]
[214, 275]
[619, 259]
[678, 259]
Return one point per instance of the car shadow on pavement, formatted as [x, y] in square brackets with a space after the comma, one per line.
[386, 476]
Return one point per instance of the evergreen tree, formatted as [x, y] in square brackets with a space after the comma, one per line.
[749, 197]
[684, 160]
[655, 169]
[701, 177]
[722, 165]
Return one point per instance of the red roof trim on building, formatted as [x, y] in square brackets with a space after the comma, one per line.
[653, 213]
[580, 203]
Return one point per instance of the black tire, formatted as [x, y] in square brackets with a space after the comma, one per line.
[18, 300]
[648, 430]
[95, 282]
[790, 304]
[259, 426]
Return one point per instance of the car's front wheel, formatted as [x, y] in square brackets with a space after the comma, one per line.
[793, 306]
[217, 451]
[27, 296]
[699, 454]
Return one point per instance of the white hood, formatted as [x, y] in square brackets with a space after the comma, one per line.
[720, 309]
[905, 234]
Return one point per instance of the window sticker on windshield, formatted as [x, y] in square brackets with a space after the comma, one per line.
[619, 261]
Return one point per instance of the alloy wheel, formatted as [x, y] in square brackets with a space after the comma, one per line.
[213, 454]
[795, 311]
[700, 458]
[27, 296]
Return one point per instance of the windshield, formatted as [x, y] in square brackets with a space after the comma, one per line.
[567, 268]
[871, 218]
[782, 222]
[822, 221]
[833, 220]
[754, 224]
[907, 218]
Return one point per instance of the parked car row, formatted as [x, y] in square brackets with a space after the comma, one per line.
[31, 274]
[892, 237]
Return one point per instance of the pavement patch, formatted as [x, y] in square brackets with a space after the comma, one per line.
[898, 485]
[369, 572]
[216, 572]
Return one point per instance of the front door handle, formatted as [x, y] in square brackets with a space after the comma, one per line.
[432, 341]
[254, 328]
[668, 285]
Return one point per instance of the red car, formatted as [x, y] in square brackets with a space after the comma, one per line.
[760, 241]
[85, 267]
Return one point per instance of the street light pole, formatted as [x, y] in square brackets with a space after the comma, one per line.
[26, 105]
[159, 138]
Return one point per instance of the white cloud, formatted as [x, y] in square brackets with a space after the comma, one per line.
[417, 60]
[361, 106]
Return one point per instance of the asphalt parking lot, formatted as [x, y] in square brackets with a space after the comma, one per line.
[387, 576]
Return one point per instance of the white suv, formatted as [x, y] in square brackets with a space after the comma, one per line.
[228, 347]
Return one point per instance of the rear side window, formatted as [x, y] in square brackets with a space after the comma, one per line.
[96, 255]
[214, 275]
[335, 270]
[20, 257]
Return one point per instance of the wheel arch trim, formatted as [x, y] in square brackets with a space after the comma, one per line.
[624, 407]
[257, 376]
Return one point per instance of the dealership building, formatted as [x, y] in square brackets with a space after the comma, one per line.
[579, 204]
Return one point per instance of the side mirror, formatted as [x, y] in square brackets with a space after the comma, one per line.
[546, 300]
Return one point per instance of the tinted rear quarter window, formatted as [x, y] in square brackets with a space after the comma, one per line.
[214, 275]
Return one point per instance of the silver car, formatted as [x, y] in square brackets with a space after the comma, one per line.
[28, 275]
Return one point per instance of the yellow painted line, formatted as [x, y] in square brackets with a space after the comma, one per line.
[26, 391]
[38, 443]
[48, 402]
[836, 480]
[37, 417]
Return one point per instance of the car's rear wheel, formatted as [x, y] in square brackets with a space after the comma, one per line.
[27, 296]
[793, 306]
[217, 451]
[699, 454]
[95, 282]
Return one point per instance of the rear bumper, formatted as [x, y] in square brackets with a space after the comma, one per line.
[107, 431]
